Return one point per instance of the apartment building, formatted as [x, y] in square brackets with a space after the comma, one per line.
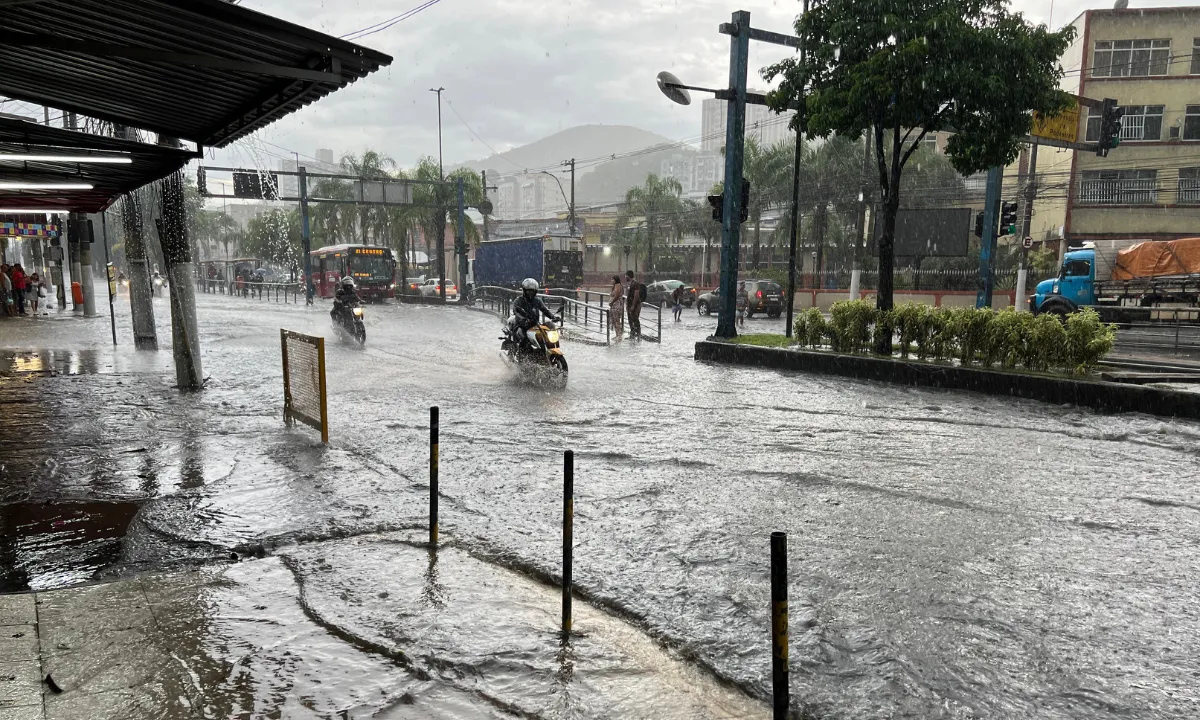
[762, 124]
[1148, 188]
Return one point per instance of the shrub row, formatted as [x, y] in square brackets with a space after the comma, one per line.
[980, 337]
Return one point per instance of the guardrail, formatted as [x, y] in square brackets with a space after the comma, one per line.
[580, 315]
[285, 292]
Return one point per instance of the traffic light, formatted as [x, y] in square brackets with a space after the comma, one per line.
[1008, 218]
[745, 201]
[201, 181]
[1110, 127]
[978, 225]
[718, 203]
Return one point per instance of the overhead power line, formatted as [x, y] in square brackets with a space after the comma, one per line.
[381, 26]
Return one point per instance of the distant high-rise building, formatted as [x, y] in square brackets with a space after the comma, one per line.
[289, 185]
[762, 123]
[696, 172]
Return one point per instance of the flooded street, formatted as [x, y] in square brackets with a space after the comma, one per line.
[951, 554]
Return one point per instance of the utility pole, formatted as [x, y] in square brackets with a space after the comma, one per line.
[735, 131]
[177, 254]
[486, 205]
[860, 228]
[987, 251]
[305, 232]
[571, 216]
[1026, 220]
[790, 298]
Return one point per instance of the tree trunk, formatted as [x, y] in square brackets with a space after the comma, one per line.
[820, 226]
[887, 244]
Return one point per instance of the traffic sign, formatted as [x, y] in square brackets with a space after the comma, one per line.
[1063, 127]
[1027, 242]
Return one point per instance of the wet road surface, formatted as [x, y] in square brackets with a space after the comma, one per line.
[951, 555]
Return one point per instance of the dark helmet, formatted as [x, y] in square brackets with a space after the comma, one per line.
[529, 287]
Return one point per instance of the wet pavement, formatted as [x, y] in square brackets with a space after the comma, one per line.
[952, 554]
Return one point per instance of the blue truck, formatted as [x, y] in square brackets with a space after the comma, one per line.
[1085, 279]
[554, 261]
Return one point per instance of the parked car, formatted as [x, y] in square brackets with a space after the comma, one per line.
[414, 285]
[659, 293]
[433, 288]
[766, 296]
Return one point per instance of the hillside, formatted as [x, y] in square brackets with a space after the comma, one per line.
[584, 141]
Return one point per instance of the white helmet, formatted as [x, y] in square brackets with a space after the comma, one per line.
[529, 286]
[349, 282]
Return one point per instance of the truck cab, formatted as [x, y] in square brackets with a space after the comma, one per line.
[1074, 287]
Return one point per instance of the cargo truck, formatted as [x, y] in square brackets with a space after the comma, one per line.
[556, 262]
[1146, 282]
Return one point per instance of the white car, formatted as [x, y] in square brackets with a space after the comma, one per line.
[433, 288]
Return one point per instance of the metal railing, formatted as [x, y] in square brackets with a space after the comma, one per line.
[278, 292]
[1189, 191]
[1118, 192]
[584, 320]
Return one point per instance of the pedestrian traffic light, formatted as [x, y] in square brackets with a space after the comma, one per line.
[1110, 127]
[718, 205]
[1008, 218]
[979, 225]
[745, 214]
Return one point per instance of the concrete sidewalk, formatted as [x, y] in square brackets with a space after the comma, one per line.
[366, 627]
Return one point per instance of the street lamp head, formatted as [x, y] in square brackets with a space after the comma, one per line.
[668, 84]
[436, 90]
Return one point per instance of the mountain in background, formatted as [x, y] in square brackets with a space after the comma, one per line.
[584, 142]
[609, 181]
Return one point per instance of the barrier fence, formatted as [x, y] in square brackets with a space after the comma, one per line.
[585, 320]
[304, 381]
[278, 292]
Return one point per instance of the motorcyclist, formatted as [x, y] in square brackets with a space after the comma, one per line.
[528, 310]
[345, 298]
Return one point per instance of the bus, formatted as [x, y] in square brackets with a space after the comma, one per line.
[373, 269]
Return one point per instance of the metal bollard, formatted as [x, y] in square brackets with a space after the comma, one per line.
[433, 475]
[779, 626]
[568, 537]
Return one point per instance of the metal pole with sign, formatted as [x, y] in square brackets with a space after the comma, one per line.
[112, 277]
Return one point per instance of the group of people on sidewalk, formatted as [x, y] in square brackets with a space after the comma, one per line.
[19, 291]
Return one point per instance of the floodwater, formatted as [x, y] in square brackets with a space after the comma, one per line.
[950, 554]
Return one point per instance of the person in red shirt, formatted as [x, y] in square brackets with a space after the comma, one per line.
[18, 281]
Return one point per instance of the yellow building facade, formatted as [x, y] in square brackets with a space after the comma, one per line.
[1148, 188]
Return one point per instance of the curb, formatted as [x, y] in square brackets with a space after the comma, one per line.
[1106, 397]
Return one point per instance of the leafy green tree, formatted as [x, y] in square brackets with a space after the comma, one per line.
[275, 237]
[905, 68]
[659, 204]
[769, 170]
[370, 165]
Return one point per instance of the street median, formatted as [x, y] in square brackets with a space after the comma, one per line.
[1103, 396]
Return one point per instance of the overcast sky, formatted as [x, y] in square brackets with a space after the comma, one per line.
[518, 70]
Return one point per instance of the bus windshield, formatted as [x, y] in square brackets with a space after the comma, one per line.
[371, 267]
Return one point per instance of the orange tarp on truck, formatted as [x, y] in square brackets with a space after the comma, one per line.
[1158, 258]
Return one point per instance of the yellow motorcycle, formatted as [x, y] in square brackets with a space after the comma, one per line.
[539, 347]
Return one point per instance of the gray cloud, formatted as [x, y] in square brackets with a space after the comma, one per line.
[518, 70]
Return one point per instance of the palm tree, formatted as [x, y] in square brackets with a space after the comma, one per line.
[370, 166]
[659, 201]
[769, 172]
[829, 177]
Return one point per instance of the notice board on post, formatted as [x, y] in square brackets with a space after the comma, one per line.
[304, 381]
[929, 232]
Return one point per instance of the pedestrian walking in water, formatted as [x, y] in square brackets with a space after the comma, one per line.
[616, 309]
[6, 291]
[635, 295]
[18, 283]
[743, 302]
[677, 302]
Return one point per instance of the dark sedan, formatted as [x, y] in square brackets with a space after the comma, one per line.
[659, 293]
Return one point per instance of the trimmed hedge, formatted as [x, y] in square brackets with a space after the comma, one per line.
[975, 337]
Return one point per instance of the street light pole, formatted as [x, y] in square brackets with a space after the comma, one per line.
[441, 224]
[441, 172]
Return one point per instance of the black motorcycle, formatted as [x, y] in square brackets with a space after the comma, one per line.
[348, 320]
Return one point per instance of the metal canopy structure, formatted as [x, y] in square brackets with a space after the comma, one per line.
[204, 71]
[146, 163]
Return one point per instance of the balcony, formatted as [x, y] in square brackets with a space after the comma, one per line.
[1119, 192]
[1189, 191]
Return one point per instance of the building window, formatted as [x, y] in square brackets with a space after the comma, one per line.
[1191, 123]
[1196, 56]
[1189, 186]
[1131, 58]
[1141, 122]
[1119, 187]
